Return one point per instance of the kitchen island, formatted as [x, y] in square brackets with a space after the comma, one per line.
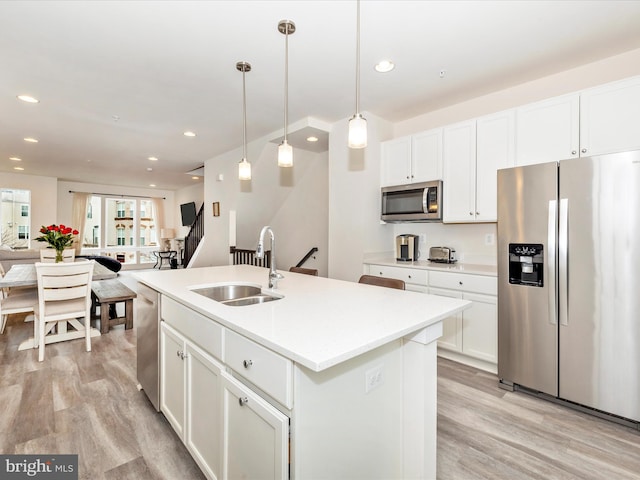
[333, 380]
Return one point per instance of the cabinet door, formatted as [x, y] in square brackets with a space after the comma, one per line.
[451, 338]
[547, 131]
[480, 328]
[459, 176]
[609, 118]
[495, 149]
[172, 378]
[395, 162]
[256, 435]
[426, 156]
[204, 411]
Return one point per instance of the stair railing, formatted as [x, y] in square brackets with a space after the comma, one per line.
[307, 256]
[243, 256]
[194, 236]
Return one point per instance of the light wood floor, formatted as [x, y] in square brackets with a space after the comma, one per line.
[88, 403]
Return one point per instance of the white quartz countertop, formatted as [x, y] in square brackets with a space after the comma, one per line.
[319, 323]
[458, 267]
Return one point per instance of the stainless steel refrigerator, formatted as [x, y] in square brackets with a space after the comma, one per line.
[569, 281]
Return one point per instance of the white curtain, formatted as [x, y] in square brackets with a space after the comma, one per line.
[158, 211]
[79, 216]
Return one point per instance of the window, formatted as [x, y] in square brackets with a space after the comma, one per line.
[121, 225]
[14, 217]
[23, 232]
[120, 234]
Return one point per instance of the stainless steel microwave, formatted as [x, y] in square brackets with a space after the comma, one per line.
[415, 202]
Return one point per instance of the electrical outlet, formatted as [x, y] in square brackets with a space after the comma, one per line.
[423, 238]
[489, 239]
[373, 378]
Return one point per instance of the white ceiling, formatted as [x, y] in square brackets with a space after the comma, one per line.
[163, 67]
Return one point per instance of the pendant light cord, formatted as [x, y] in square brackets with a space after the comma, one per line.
[286, 81]
[244, 117]
[358, 59]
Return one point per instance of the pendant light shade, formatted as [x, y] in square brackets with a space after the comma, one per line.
[244, 167]
[285, 151]
[357, 123]
[285, 155]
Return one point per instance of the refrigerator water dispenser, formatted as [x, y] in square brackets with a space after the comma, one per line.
[526, 263]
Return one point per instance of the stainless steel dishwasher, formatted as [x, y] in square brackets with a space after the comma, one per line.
[148, 342]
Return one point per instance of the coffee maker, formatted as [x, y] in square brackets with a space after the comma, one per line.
[407, 247]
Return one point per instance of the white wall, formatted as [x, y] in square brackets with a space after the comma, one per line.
[193, 193]
[44, 195]
[354, 200]
[65, 199]
[294, 202]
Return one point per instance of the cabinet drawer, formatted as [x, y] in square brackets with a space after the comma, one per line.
[409, 275]
[201, 330]
[464, 282]
[262, 367]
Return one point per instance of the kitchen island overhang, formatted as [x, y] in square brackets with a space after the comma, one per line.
[364, 365]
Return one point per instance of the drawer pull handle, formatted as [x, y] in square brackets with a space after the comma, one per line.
[247, 363]
[243, 401]
[409, 276]
[460, 283]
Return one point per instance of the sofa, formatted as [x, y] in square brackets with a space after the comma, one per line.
[8, 258]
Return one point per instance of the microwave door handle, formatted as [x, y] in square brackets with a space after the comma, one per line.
[425, 195]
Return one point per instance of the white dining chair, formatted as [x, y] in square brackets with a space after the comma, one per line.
[48, 255]
[16, 300]
[64, 294]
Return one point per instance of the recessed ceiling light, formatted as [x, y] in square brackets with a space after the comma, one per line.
[195, 178]
[189, 134]
[28, 99]
[149, 169]
[152, 184]
[312, 139]
[153, 159]
[15, 159]
[30, 140]
[18, 168]
[384, 66]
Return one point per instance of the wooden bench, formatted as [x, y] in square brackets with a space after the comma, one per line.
[105, 294]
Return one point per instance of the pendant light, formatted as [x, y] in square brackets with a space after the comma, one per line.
[244, 167]
[285, 151]
[357, 123]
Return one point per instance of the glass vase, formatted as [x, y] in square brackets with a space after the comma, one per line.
[59, 255]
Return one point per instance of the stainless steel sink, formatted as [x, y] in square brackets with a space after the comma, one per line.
[236, 295]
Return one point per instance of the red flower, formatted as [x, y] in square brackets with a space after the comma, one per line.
[75, 232]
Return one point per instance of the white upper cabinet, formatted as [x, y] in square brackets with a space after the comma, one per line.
[426, 155]
[412, 159]
[473, 153]
[396, 162]
[609, 118]
[548, 131]
[459, 179]
[495, 149]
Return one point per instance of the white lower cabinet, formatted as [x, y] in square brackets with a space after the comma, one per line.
[414, 279]
[255, 435]
[190, 398]
[472, 335]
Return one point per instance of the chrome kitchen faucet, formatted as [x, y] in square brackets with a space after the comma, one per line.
[274, 276]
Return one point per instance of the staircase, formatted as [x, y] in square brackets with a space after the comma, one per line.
[194, 236]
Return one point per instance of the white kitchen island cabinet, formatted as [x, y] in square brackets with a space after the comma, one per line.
[334, 380]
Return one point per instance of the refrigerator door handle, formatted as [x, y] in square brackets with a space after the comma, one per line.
[563, 261]
[551, 262]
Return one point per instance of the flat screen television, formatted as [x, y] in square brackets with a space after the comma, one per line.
[188, 212]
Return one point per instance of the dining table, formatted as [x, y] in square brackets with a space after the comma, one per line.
[24, 275]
